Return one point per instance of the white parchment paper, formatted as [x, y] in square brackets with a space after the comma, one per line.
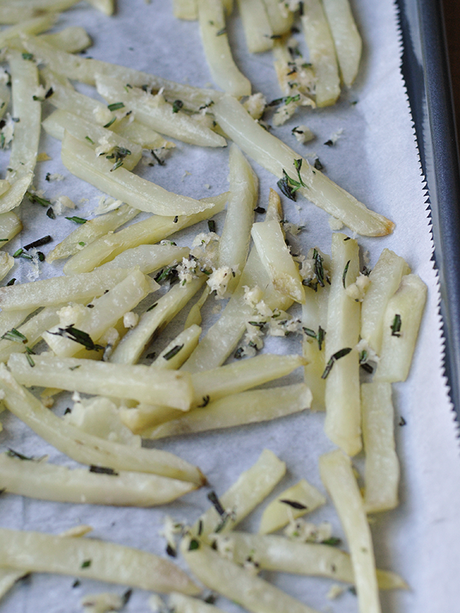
[376, 160]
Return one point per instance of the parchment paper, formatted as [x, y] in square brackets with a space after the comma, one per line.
[377, 161]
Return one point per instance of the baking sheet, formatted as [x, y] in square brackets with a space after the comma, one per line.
[376, 160]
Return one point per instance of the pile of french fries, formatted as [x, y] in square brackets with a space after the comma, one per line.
[89, 331]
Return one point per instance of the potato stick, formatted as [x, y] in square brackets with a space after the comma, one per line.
[343, 413]
[148, 258]
[13, 319]
[178, 350]
[104, 141]
[88, 232]
[106, 311]
[91, 558]
[62, 484]
[10, 225]
[105, 6]
[256, 25]
[86, 448]
[235, 583]
[4, 101]
[32, 330]
[292, 77]
[151, 230]
[6, 264]
[72, 39]
[235, 410]
[42, 5]
[235, 238]
[185, 9]
[123, 184]
[210, 385]
[141, 135]
[385, 279]
[185, 604]
[138, 382]
[401, 324]
[224, 72]
[14, 196]
[10, 14]
[156, 113]
[279, 512]
[85, 70]
[28, 26]
[143, 418]
[49, 292]
[194, 315]
[381, 469]
[277, 553]
[250, 489]
[275, 156]
[338, 478]
[347, 41]
[271, 247]
[164, 310]
[65, 98]
[322, 53]
[279, 23]
[313, 343]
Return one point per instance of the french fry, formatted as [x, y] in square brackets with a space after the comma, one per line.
[347, 41]
[322, 53]
[10, 225]
[256, 25]
[148, 258]
[401, 324]
[32, 331]
[277, 553]
[88, 449]
[338, 478]
[164, 310]
[343, 413]
[279, 512]
[385, 278]
[158, 114]
[72, 39]
[252, 486]
[137, 382]
[91, 558]
[235, 410]
[381, 469]
[233, 582]
[224, 71]
[276, 157]
[123, 184]
[38, 479]
[151, 230]
[54, 291]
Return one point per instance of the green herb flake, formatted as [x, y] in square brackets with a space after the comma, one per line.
[90, 140]
[396, 326]
[78, 336]
[333, 359]
[111, 122]
[28, 56]
[86, 563]
[82, 244]
[76, 219]
[333, 541]
[221, 32]
[344, 276]
[11, 453]
[295, 505]
[193, 545]
[177, 105]
[211, 225]
[38, 200]
[173, 352]
[50, 213]
[102, 470]
[15, 336]
[115, 106]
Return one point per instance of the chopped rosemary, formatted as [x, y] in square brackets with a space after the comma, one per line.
[317, 164]
[171, 551]
[288, 185]
[396, 326]
[212, 497]
[11, 282]
[116, 106]
[90, 140]
[102, 470]
[78, 336]
[333, 359]
[20, 254]
[294, 504]
[118, 155]
[177, 105]
[206, 400]
[39, 242]
[112, 121]
[221, 32]
[29, 354]
[402, 421]
[260, 210]
[50, 213]
[344, 276]
[38, 200]
[86, 564]
[173, 352]
[333, 541]
[15, 336]
[15, 454]
[28, 56]
[76, 219]
[194, 544]
[211, 225]
[126, 596]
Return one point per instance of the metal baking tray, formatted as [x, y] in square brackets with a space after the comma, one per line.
[425, 68]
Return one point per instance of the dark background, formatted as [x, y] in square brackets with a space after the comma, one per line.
[452, 21]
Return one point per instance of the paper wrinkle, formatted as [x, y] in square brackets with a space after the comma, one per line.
[377, 161]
